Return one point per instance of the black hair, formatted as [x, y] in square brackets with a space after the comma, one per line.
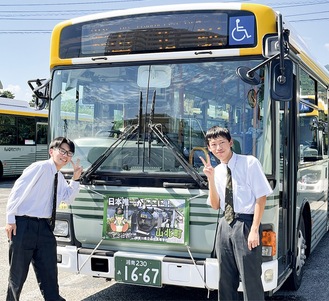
[216, 132]
[119, 210]
[57, 142]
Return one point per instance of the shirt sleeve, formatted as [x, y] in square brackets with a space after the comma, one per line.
[21, 190]
[259, 183]
[67, 192]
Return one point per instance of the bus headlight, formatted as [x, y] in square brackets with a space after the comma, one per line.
[61, 228]
[268, 275]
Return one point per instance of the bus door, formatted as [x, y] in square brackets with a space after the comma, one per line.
[41, 141]
[287, 193]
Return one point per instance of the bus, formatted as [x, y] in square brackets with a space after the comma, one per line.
[23, 136]
[154, 79]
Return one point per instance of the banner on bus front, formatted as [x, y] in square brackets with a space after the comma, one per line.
[163, 220]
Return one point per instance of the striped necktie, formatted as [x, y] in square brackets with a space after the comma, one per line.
[229, 211]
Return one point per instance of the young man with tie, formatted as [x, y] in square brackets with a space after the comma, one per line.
[30, 219]
[239, 187]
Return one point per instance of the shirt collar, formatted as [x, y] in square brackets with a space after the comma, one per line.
[232, 161]
[53, 166]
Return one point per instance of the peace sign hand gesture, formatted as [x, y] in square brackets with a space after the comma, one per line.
[207, 169]
[77, 170]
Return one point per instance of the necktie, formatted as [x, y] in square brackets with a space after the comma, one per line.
[229, 211]
[53, 212]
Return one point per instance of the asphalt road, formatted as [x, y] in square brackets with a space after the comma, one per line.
[85, 288]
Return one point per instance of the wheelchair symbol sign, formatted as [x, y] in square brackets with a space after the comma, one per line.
[242, 30]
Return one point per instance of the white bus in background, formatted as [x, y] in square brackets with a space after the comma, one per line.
[23, 136]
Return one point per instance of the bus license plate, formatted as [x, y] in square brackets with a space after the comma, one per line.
[138, 271]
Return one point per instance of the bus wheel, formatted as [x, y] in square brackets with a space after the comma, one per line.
[295, 279]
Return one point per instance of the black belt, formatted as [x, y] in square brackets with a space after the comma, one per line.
[34, 218]
[244, 216]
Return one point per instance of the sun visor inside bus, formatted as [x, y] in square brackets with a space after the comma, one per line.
[282, 80]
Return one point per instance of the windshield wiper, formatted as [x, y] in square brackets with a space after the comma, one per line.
[151, 122]
[127, 133]
[140, 112]
[178, 155]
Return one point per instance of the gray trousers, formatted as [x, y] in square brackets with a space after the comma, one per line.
[237, 261]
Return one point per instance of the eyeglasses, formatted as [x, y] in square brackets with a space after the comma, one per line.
[220, 144]
[63, 152]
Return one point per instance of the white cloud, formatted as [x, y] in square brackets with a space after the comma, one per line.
[18, 92]
[326, 46]
[15, 89]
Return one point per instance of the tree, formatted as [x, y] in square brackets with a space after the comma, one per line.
[33, 101]
[7, 94]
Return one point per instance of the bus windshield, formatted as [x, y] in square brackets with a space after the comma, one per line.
[153, 118]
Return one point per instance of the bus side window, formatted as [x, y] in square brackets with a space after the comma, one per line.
[8, 130]
[41, 137]
[310, 140]
[26, 131]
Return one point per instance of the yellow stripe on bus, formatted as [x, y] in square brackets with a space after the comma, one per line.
[21, 113]
[266, 24]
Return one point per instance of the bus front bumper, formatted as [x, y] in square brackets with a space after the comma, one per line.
[151, 269]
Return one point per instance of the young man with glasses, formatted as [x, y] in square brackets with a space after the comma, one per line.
[239, 187]
[30, 219]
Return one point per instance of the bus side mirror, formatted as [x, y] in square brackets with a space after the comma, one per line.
[40, 88]
[282, 80]
[40, 103]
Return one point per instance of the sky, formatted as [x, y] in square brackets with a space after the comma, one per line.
[26, 25]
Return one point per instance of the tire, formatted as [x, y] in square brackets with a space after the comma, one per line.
[295, 279]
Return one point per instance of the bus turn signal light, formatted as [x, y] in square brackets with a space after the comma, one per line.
[268, 243]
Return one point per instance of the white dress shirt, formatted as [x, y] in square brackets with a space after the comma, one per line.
[248, 182]
[32, 193]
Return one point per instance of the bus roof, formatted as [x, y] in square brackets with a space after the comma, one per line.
[165, 8]
[19, 107]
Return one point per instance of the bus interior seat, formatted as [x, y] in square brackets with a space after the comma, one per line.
[94, 153]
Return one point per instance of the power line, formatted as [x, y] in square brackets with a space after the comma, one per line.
[25, 31]
[36, 18]
[24, 17]
[299, 3]
[50, 11]
[68, 3]
[307, 20]
[307, 14]
[69, 11]
[32, 15]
